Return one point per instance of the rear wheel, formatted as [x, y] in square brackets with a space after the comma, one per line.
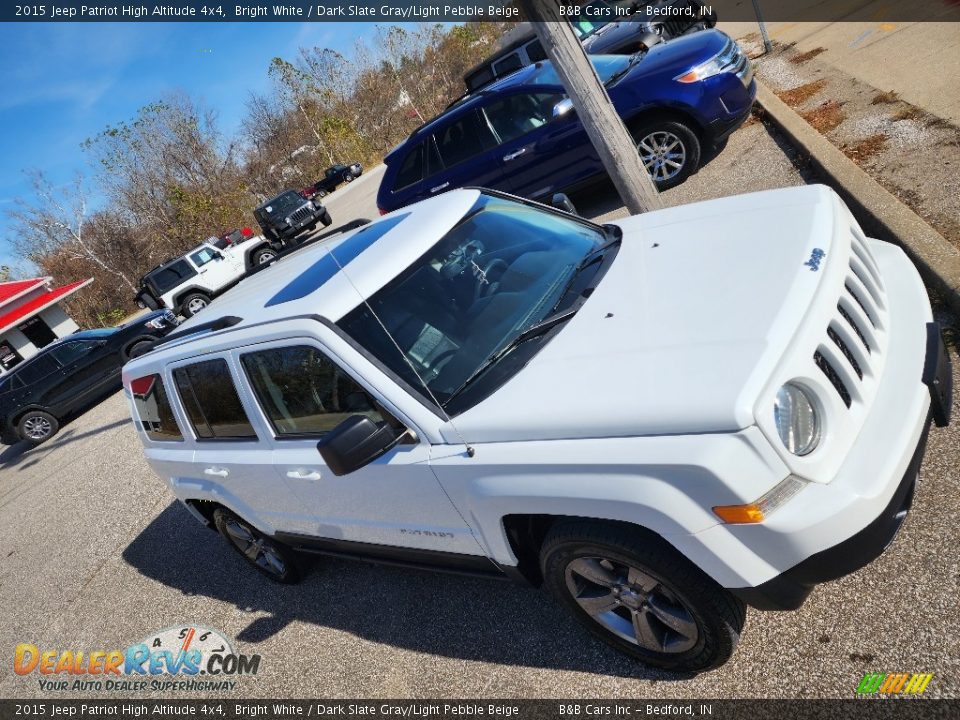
[37, 426]
[669, 150]
[194, 303]
[639, 595]
[263, 256]
[269, 557]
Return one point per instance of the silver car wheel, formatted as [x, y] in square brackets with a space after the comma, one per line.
[257, 550]
[265, 257]
[196, 305]
[37, 428]
[663, 154]
[632, 604]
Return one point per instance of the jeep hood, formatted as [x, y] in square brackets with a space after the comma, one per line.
[682, 332]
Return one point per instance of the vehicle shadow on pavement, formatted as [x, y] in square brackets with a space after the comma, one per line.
[447, 615]
[19, 455]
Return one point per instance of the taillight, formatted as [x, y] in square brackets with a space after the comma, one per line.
[142, 386]
[382, 211]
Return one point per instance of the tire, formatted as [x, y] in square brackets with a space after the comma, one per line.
[322, 194]
[141, 347]
[269, 557]
[657, 143]
[348, 178]
[326, 219]
[639, 579]
[191, 304]
[37, 426]
[262, 256]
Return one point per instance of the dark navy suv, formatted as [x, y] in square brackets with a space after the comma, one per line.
[521, 134]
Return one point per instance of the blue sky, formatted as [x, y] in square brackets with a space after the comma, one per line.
[64, 82]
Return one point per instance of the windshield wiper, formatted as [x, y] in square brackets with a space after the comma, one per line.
[533, 331]
[634, 59]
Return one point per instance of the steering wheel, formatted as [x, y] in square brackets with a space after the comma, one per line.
[484, 287]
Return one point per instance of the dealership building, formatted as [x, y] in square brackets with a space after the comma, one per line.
[31, 317]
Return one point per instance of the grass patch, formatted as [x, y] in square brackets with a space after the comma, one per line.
[907, 112]
[807, 56]
[800, 94]
[865, 149]
[825, 117]
[887, 97]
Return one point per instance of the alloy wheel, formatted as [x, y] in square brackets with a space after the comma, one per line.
[265, 257]
[257, 550]
[632, 604]
[663, 154]
[37, 428]
[196, 305]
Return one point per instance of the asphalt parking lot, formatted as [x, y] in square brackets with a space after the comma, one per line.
[94, 554]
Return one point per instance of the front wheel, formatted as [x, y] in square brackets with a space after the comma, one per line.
[669, 150]
[37, 426]
[194, 303]
[326, 219]
[141, 347]
[269, 557]
[639, 595]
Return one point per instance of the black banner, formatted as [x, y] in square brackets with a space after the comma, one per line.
[379, 11]
[861, 709]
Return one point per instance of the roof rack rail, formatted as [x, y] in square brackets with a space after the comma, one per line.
[220, 323]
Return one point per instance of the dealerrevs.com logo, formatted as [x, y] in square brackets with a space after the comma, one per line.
[184, 657]
[889, 684]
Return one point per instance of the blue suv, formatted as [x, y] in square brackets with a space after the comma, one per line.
[521, 134]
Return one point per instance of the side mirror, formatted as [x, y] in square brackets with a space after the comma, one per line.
[356, 442]
[564, 107]
[561, 202]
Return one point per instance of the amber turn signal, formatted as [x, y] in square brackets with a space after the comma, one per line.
[739, 514]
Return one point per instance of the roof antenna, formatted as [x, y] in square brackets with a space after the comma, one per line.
[470, 450]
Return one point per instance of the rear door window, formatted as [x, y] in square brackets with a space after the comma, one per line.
[302, 392]
[153, 409]
[38, 368]
[411, 171]
[211, 401]
[463, 139]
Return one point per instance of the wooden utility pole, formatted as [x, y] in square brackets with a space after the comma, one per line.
[606, 130]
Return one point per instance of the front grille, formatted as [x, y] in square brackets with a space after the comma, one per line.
[304, 213]
[852, 352]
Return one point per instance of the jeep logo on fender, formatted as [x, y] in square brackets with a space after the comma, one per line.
[816, 257]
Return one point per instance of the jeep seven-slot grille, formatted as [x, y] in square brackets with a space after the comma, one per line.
[854, 332]
[300, 215]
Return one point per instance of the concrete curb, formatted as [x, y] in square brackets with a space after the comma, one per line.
[881, 214]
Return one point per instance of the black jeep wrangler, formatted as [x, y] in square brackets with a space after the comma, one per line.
[289, 215]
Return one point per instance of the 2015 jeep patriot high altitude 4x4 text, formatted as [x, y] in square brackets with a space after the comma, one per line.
[663, 419]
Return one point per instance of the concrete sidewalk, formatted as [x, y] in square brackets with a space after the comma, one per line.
[918, 61]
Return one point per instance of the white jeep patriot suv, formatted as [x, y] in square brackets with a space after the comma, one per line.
[663, 419]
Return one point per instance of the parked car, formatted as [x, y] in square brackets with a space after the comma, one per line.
[521, 135]
[67, 375]
[290, 215]
[661, 419]
[602, 31]
[333, 176]
[188, 283]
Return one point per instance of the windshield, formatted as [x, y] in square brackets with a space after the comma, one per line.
[607, 66]
[284, 203]
[600, 15]
[502, 270]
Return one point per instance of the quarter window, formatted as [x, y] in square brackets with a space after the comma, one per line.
[153, 409]
[411, 171]
[302, 392]
[210, 398]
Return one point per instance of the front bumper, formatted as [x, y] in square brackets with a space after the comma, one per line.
[788, 590]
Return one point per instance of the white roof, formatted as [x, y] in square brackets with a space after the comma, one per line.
[262, 297]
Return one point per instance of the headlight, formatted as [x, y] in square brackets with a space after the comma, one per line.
[286, 220]
[796, 419]
[156, 323]
[713, 66]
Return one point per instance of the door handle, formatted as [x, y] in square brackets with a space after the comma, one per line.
[303, 474]
[216, 471]
[512, 156]
[438, 188]
[203, 272]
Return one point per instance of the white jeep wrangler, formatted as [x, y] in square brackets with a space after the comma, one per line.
[188, 283]
[663, 419]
